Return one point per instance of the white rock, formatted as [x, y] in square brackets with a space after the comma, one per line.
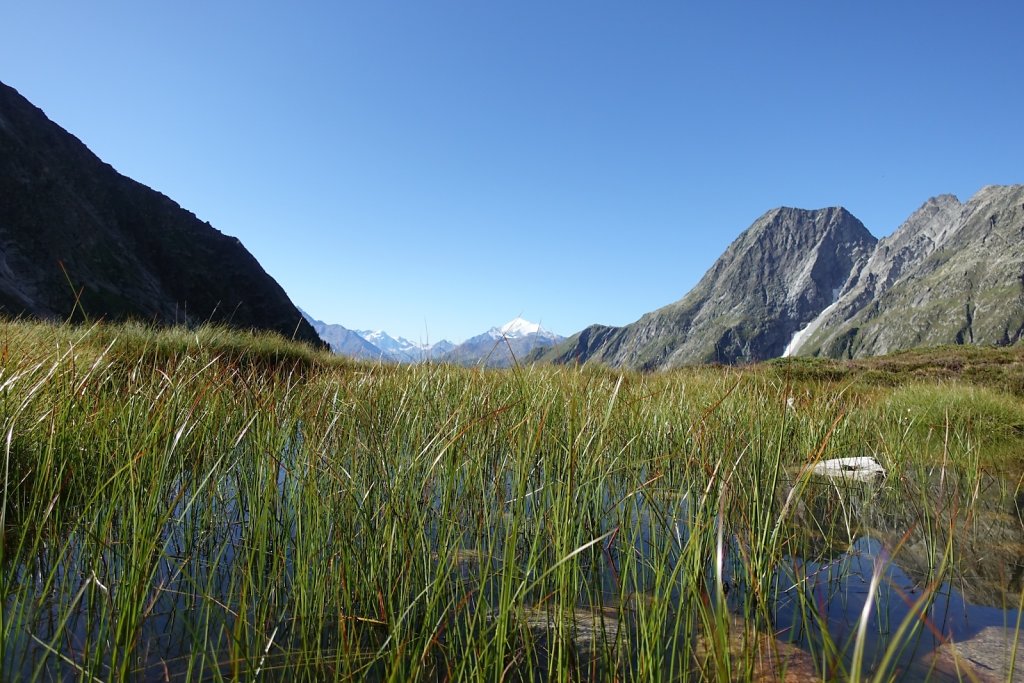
[861, 468]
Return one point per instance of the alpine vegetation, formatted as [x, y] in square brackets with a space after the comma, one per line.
[208, 504]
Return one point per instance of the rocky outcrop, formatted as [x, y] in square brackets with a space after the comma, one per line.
[951, 274]
[993, 655]
[916, 239]
[80, 241]
[778, 274]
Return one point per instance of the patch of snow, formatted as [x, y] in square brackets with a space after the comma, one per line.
[404, 350]
[406, 344]
[517, 327]
[803, 334]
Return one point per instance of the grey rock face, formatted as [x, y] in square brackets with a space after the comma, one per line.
[778, 274]
[912, 242]
[439, 349]
[79, 240]
[951, 274]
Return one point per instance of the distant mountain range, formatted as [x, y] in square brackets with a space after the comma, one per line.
[801, 282]
[375, 344]
[401, 350]
[344, 341]
[498, 347]
[502, 347]
[80, 241]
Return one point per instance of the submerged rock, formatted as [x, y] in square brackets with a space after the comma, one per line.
[753, 654]
[771, 659]
[588, 627]
[985, 657]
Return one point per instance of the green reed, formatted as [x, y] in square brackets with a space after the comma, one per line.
[210, 505]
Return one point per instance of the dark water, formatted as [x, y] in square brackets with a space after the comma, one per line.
[901, 531]
[845, 536]
[841, 588]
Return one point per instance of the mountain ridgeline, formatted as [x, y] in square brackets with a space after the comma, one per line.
[503, 347]
[951, 274]
[800, 282]
[80, 241]
[375, 345]
[499, 347]
[343, 341]
[781, 272]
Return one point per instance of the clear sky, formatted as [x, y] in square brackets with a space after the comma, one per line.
[433, 168]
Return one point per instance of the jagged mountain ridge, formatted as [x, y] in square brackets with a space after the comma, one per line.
[345, 342]
[498, 347]
[952, 273]
[78, 240]
[787, 267]
[401, 350]
[914, 240]
[375, 345]
[504, 346]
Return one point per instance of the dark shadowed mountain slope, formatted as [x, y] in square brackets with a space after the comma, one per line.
[78, 239]
[951, 274]
[777, 275]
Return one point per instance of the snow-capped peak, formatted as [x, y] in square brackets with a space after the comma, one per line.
[388, 343]
[518, 327]
[373, 336]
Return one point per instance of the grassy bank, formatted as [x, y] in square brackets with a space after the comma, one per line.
[205, 505]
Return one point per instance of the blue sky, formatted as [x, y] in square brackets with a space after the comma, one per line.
[435, 168]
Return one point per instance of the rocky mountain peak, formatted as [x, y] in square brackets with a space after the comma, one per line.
[518, 327]
[778, 274]
[946, 275]
[816, 282]
[919, 236]
[502, 346]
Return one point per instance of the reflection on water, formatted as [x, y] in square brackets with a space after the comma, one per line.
[841, 535]
[904, 530]
[982, 524]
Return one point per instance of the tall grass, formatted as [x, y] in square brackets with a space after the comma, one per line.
[207, 505]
